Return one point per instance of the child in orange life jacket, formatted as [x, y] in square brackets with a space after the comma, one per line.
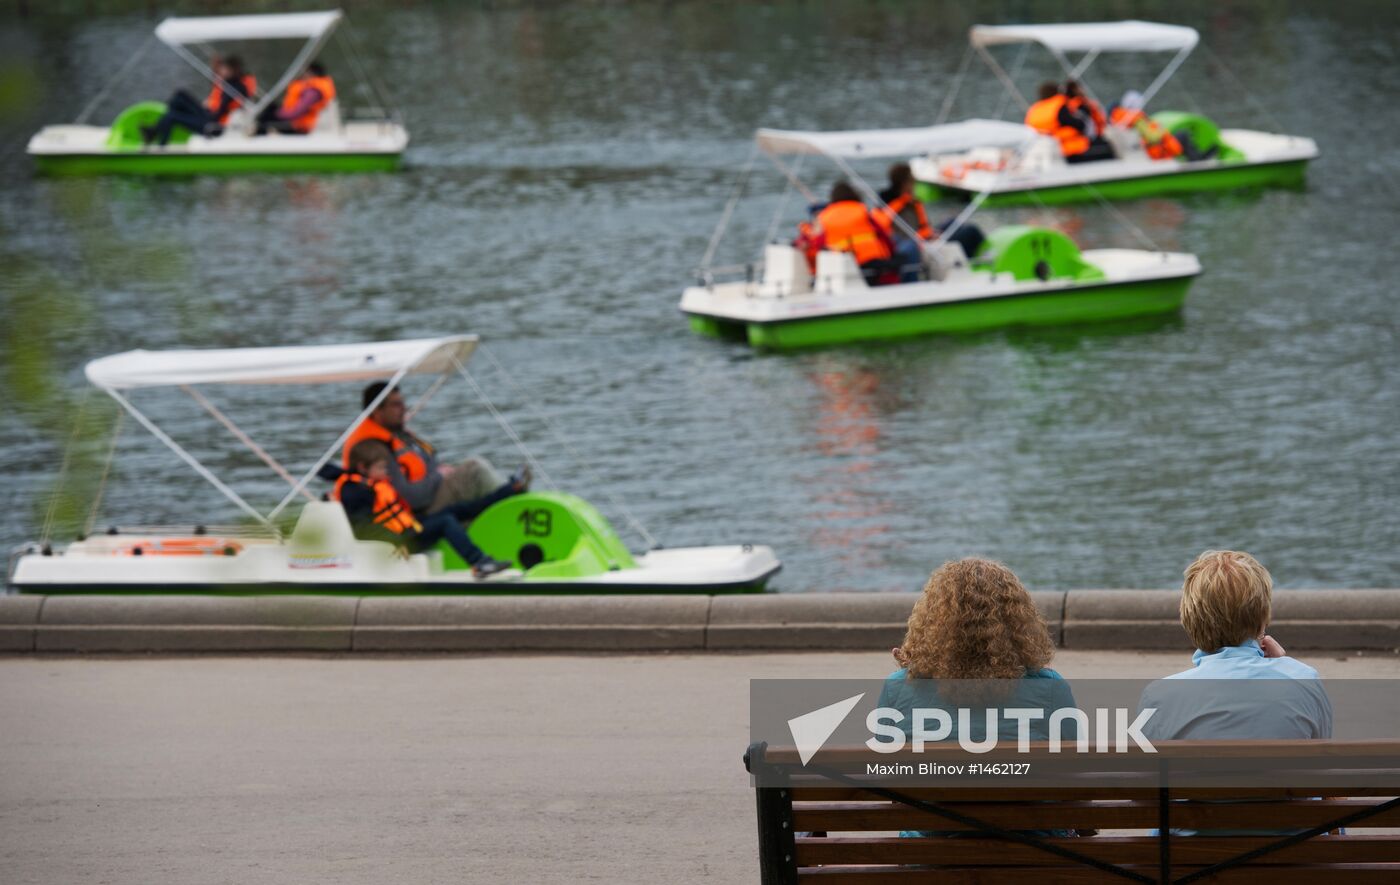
[377, 512]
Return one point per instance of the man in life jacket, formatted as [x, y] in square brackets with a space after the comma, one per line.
[901, 202]
[1052, 115]
[306, 97]
[846, 225]
[426, 485]
[378, 513]
[231, 86]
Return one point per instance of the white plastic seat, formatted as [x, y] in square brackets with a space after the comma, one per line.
[329, 121]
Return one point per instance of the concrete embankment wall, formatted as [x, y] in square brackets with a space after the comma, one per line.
[1335, 620]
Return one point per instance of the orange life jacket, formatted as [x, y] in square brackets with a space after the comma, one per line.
[410, 462]
[1080, 103]
[848, 227]
[808, 243]
[216, 96]
[1044, 116]
[307, 121]
[884, 216]
[1160, 144]
[390, 511]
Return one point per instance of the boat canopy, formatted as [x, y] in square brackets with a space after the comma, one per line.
[1124, 36]
[309, 364]
[215, 28]
[857, 143]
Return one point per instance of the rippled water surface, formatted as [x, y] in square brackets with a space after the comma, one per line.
[566, 169]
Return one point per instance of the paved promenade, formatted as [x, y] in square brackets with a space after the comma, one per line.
[363, 769]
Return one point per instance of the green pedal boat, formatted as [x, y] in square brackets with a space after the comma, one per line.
[1035, 172]
[555, 541]
[1020, 276]
[373, 141]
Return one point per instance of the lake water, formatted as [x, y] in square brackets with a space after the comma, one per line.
[567, 167]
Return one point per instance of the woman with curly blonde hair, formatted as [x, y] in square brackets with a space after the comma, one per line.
[975, 621]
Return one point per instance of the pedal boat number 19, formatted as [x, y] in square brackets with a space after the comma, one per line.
[1021, 276]
[558, 542]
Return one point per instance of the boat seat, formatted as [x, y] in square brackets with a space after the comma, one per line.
[838, 272]
[943, 258]
[329, 122]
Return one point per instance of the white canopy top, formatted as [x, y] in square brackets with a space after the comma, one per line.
[1124, 36]
[948, 138]
[213, 28]
[311, 364]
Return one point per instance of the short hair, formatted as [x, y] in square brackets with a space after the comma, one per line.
[900, 175]
[368, 452]
[1072, 88]
[842, 190]
[235, 64]
[316, 69]
[372, 392]
[1048, 89]
[1225, 599]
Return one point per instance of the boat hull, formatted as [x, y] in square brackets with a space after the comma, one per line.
[1235, 176]
[1079, 304]
[173, 164]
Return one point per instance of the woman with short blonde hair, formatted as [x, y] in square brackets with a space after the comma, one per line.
[1225, 599]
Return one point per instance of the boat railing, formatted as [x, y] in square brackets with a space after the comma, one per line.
[714, 275]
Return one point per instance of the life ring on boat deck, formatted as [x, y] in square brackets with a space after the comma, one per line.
[184, 547]
[954, 171]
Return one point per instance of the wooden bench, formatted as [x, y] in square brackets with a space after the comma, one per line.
[825, 827]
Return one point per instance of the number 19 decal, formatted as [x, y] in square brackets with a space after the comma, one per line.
[536, 523]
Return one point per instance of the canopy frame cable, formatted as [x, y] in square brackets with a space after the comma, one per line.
[734, 195]
[1249, 96]
[1167, 73]
[632, 520]
[422, 401]
[112, 82]
[1015, 70]
[505, 425]
[192, 461]
[106, 471]
[244, 438]
[1001, 75]
[947, 107]
[389, 110]
[51, 516]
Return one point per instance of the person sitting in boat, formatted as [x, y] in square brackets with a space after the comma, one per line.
[377, 512]
[429, 487]
[846, 225]
[1158, 142]
[233, 84]
[1074, 129]
[306, 97]
[901, 202]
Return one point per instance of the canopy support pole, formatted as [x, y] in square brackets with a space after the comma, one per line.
[724, 217]
[782, 206]
[207, 72]
[1084, 63]
[387, 110]
[112, 82]
[504, 424]
[1014, 72]
[1166, 75]
[1001, 75]
[192, 461]
[874, 196]
[422, 401]
[307, 54]
[301, 484]
[242, 437]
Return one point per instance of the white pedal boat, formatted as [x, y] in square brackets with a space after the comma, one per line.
[375, 141]
[558, 542]
[1037, 172]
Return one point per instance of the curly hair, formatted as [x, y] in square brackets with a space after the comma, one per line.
[975, 621]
